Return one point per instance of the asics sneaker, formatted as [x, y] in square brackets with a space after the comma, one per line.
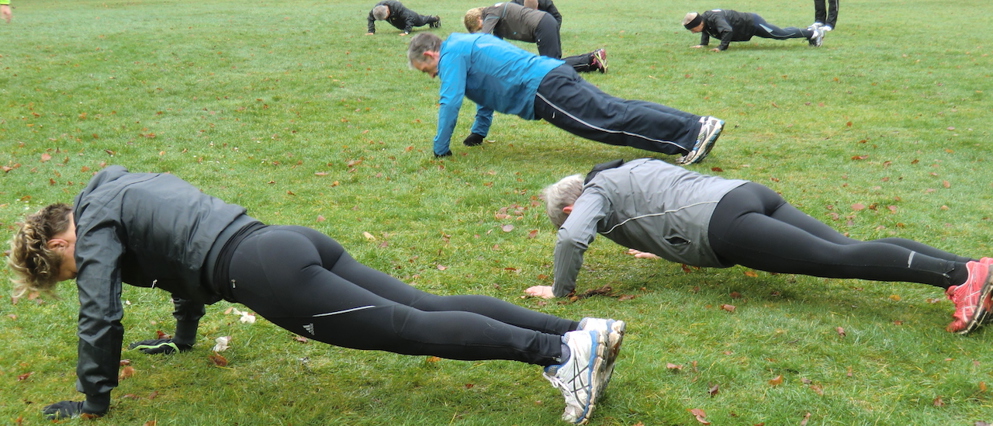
[578, 377]
[710, 130]
[600, 60]
[614, 330]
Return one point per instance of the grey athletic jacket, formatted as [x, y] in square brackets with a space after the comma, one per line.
[511, 21]
[148, 230]
[644, 204]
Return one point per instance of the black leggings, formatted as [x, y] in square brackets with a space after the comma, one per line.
[305, 282]
[754, 227]
[766, 30]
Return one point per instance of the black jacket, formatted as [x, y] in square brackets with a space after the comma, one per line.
[726, 25]
[400, 16]
[548, 7]
[148, 230]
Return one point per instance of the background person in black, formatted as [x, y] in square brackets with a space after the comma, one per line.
[548, 7]
[824, 18]
[400, 17]
[516, 22]
[730, 25]
[156, 230]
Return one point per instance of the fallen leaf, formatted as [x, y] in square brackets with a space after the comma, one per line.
[751, 273]
[432, 359]
[729, 308]
[442, 267]
[369, 236]
[301, 339]
[673, 367]
[858, 206]
[507, 228]
[777, 381]
[533, 233]
[805, 419]
[841, 331]
[45, 157]
[126, 373]
[218, 360]
[150, 423]
[938, 402]
[24, 376]
[713, 391]
[817, 389]
[700, 415]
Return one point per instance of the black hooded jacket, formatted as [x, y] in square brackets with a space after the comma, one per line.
[147, 230]
[400, 17]
[727, 26]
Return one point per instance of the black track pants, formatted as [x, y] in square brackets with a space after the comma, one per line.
[575, 105]
[754, 227]
[305, 282]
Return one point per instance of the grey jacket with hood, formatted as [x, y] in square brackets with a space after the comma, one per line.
[644, 204]
[148, 230]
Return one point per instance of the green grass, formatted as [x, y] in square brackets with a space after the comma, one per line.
[289, 109]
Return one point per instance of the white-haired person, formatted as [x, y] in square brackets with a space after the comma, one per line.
[399, 16]
[158, 231]
[729, 25]
[501, 77]
[515, 22]
[654, 207]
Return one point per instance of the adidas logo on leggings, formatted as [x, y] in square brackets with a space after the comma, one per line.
[309, 328]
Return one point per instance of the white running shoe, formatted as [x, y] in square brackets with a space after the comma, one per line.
[710, 130]
[578, 377]
[614, 330]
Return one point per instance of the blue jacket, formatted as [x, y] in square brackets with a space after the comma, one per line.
[494, 74]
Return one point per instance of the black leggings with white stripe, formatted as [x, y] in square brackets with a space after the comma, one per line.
[305, 282]
[575, 105]
[755, 227]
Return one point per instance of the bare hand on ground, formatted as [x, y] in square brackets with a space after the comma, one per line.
[543, 291]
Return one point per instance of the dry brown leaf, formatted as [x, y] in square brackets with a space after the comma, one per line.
[729, 308]
[126, 372]
[432, 359]
[673, 367]
[805, 419]
[751, 273]
[507, 228]
[218, 359]
[700, 415]
[841, 331]
[24, 376]
[776, 381]
[938, 402]
[713, 391]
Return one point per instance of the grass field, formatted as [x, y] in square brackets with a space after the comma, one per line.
[289, 109]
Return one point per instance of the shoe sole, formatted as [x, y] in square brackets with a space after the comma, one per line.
[979, 318]
[602, 61]
[596, 368]
[615, 336]
[708, 144]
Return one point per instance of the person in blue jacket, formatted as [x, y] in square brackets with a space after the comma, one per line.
[156, 230]
[501, 77]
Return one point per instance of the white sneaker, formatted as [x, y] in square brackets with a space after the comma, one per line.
[578, 378]
[710, 130]
[826, 28]
[818, 36]
[614, 330]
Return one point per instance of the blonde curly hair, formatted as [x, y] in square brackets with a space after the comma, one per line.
[471, 19]
[35, 264]
[560, 195]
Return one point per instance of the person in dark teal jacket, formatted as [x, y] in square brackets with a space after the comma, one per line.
[501, 77]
